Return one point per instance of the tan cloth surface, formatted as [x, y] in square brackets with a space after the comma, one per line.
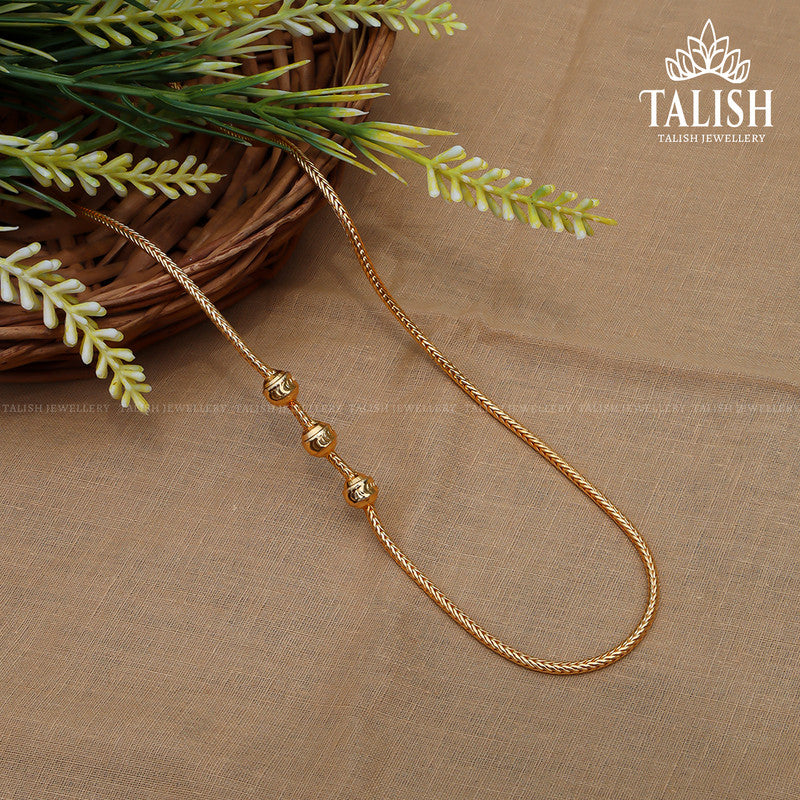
[189, 610]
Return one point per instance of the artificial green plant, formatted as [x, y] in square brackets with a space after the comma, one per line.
[135, 64]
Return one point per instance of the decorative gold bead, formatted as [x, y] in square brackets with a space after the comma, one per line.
[319, 439]
[281, 389]
[360, 491]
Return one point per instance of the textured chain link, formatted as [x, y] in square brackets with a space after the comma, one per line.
[325, 447]
[212, 312]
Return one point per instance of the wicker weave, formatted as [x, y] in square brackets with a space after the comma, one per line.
[228, 241]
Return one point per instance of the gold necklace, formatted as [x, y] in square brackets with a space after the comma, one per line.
[360, 491]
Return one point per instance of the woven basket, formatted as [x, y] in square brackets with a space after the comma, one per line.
[229, 241]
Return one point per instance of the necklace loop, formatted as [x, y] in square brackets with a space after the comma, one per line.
[360, 491]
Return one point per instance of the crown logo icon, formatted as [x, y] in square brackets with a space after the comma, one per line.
[708, 55]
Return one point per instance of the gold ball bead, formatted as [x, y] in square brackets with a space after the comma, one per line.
[281, 389]
[319, 439]
[360, 491]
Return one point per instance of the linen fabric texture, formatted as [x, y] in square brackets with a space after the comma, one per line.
[188, 608]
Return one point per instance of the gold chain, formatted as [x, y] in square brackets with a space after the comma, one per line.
[360, 491]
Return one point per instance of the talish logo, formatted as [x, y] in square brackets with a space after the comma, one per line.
[731, 108]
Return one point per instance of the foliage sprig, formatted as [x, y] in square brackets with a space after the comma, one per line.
[456, 178]
[39, 286]
[64, 163]
[104, 23]
[510, 200]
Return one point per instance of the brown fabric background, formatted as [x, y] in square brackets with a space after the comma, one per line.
[189, 610]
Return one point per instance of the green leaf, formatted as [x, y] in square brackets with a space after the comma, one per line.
[52, 202]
